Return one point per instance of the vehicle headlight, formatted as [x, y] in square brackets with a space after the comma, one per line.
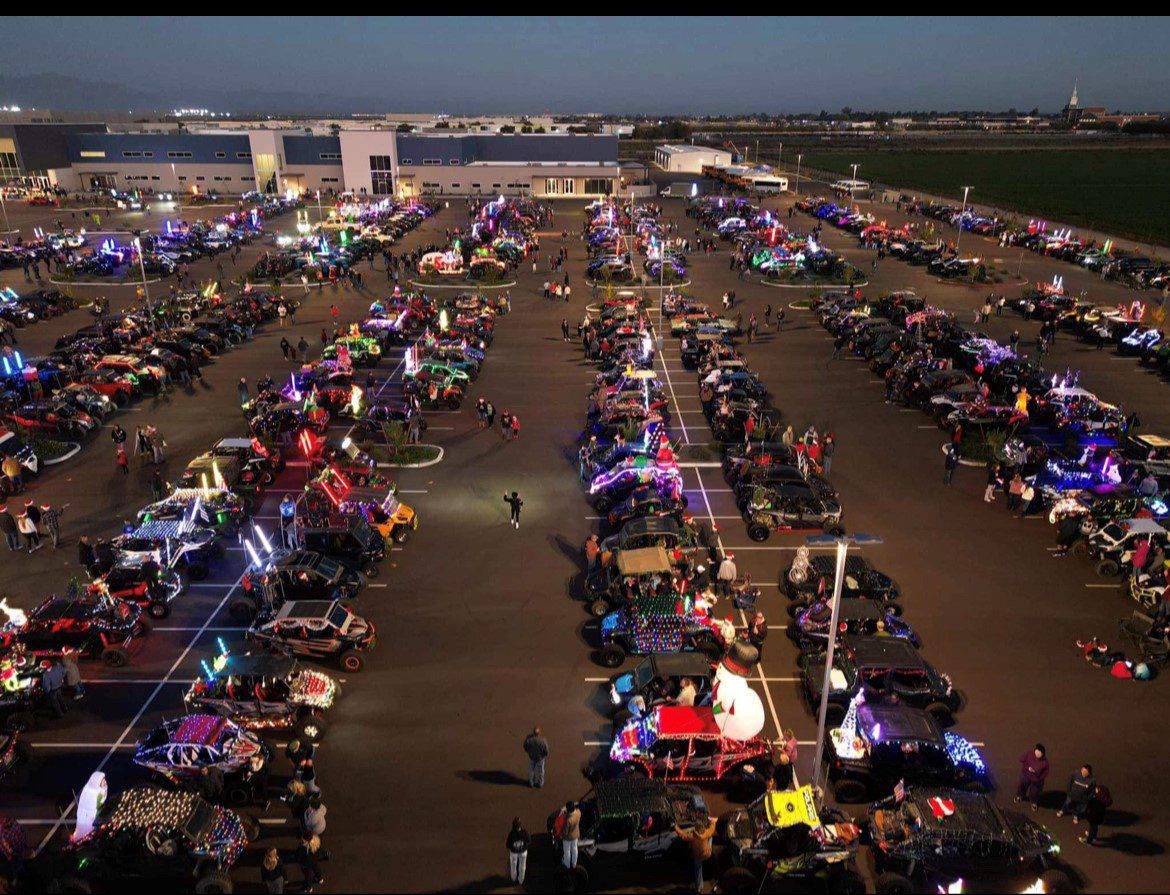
[614, 696]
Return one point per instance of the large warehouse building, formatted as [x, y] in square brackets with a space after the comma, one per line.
[370, 162]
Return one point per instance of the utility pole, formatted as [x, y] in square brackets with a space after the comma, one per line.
[843, 543]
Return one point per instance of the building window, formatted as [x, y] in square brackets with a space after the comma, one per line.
[381, 183]
[221, 155]
[496, 186]
[598, 186]
[330, 156]
[408, 161]
[379, 163]
[178, 155]
[91, 153]
[200, 177]
[454, 161]
[432, 161]
[244, 155]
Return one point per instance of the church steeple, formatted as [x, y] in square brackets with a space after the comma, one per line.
[1072, 102]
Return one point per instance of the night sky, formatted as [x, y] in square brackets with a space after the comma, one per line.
[579, 64]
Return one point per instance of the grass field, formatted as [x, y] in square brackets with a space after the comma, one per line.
[1119, 191]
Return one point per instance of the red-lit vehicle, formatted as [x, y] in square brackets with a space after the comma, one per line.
[677, 742]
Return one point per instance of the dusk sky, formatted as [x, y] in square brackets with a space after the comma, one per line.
[578, 64]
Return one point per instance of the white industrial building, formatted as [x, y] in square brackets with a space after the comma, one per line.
[682, 158]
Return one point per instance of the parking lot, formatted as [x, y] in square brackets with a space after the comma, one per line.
[478, 640]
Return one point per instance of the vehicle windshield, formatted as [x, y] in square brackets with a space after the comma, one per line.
[201, 822]
[338, 616]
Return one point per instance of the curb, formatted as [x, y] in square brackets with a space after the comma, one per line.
[764, 281]
[438, 459]
[68, 455]
[105, 285]
[974, 463]
[470, 286]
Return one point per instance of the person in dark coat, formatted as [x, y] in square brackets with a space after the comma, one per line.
[1080, 787]
[1099, 802]
[1033, 772]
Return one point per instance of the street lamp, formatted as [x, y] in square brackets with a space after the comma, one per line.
[958, 238]
[853, 182]
[843, 543]
[4, 206]
[799, 156]
[145, 288]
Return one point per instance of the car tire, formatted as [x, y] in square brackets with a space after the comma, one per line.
[738, 881]
[850, 792]
[893, 884]
[1080, 549]
[835, 715]
[158, 609]
[611, 655]
[214, 882]
[69, 885]
[402, 535]
[1056, 882]
[847, 882]
[352, 661]
[599, 608]
[197, 571]
[602, 504]
[310, 727]
[620, 717]
[941, 712]
[18, 722]
[758, 532]
[370, 570]
[836, 530]
[243, 610]
[892, 608]
[454, 403]
[1108, 568]
[115, 657]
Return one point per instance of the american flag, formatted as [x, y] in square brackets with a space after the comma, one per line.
[900, 791]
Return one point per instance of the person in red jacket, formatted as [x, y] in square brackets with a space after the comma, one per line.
[1033, 773]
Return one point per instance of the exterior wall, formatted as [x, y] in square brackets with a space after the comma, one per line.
[357, 148]
[168, 177]
[511, 180]
[689, 160]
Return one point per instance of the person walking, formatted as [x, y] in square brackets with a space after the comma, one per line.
[784, 756]
[697, 837]
[992, 482]
[1033, 772]
[1100, 800]
[272, 873]
[536, 748]
[564, 330]
[517, 842]
[242, 391]
[515, 502]
[53, 683]
[592, 552]
[303, 349]
[285, 347]
[308, 856]
[1080, 787]
[313, 821]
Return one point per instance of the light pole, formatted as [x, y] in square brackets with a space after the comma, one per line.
[4, 206]
[959, 238]
[853, 182]
[145, 288]
[799, 156]
[843, 543]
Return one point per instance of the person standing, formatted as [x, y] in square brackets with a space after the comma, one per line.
[272, 873]
[1080, 788]
[28, 528]
[1033, 772]
[9, 527]
[726, 575]
[53, 682]
[784, 757]
[571, 834]
[313, 820]
[517, 842]
[828, 449]
[72, 673]
[992, 482]
[536, 748]
[242, 391]
[564, 330]
[303, 349]
[697, 837]
[757, 632]
[949, 464]
[51, 519]
[309, 858]
[515, 502]
[210, 784]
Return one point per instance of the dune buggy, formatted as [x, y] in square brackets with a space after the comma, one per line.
[315, 629]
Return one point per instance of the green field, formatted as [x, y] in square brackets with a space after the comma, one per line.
[1125, 192]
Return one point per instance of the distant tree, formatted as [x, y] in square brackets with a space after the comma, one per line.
[508, 129]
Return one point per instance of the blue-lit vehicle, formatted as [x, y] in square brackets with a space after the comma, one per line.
[1140, 340]
[880, 744]
[613, 485]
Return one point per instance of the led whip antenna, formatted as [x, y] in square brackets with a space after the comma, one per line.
[223, 650]
[207, 672]
[252, 553]
[263, 539]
